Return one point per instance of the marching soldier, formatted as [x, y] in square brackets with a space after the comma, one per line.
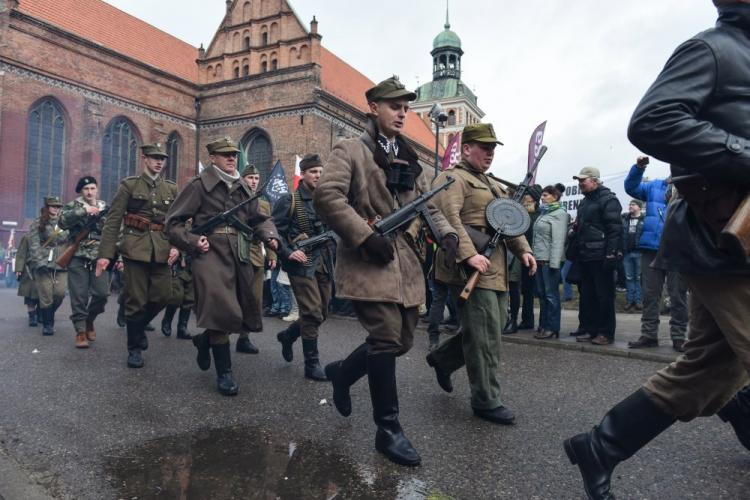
[222, 268]
[183, 298]
[367, 178]
[141, 205]
[26, 285]
[88, 292]
[310, 274]
[251, 177]
[483, 315]
[46, 242]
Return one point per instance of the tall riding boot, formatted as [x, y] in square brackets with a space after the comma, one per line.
[33, 318]
[287, 338]
[135, 333]
[343, 374]
[223, 363]
[313, 370]
[624, 430]
[182, 322]
[48, 326]
[166, 322]
[737, 413]
[121, 321]
[390, 439]
[203, 359]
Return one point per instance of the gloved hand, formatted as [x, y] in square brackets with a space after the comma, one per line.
[378, 248]
[449, 246]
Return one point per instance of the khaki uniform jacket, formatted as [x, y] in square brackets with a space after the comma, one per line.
[256, 247]
[465, 202]
[24, 265]
[352, 189]
[146, 197]
[46, 257]
[74, 218]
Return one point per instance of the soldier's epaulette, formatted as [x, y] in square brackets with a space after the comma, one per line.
[131, 178]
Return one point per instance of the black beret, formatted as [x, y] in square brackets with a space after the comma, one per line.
[84, 181]
[310, 161]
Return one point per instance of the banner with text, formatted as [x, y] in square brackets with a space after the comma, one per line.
[572, 196]
[452, 153]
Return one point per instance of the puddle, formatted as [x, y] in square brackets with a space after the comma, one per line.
[242, 463]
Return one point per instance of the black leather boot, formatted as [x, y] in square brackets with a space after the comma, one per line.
[47, 316]
[343, 374]
[244, 344]
[223, 363]
[511, 326]
[443, 377]
[624, 430]
[313, 370]
[121, 316]
[203, 359]
[135, 334]
[182, 322]
[390, 439]
[33, 321]
[287, 338]
[737, 413]
[166, 322]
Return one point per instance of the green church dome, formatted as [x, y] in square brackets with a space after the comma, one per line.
[447, 38]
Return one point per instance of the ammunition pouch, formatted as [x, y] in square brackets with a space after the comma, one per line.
[479, 238]
[141, 223]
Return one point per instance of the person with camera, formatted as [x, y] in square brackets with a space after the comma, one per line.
[366, 179]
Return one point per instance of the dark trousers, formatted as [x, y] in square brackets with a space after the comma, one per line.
[441, 296]
[390, 326]
[523, 290]
[653, 284]
[598, 299]
[88, 294]
[313, 295]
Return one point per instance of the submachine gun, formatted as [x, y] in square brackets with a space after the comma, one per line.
[64, 259]
[229, 217]
[314, 242]
[508, 218]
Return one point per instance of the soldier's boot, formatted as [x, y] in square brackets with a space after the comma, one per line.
[33, 318]
[223, 363]
[81, 341]
[182, 323]
[443, 376]
[121, 321]
[90, 330]
[390, 439]
[287, 338]
[166, 322]
[134, 331]
[203, 359]
[313, 370]
[737, 413]
[244, 344]
[624, 430]
[48, 326]
[343, 374]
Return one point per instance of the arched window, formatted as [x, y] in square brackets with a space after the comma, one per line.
[304, 53]
[210, 73]
[236, 42]
[245, 67]
[274, 62]
[451, 117]
[263, 63]
[45, 154]
[219, 73]
[171, 169]
[263, 35]
[258, 151]
[246, 41]
[292, 56]
[246, 11]
[119, 155]
[236, 69]
[274, 32]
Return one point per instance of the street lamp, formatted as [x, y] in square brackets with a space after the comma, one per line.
[438, 117]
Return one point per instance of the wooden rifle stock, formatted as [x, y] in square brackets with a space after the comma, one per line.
[64, 259]
[735, 237]
[470, 285]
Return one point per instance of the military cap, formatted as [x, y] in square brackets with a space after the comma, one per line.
[84, 181]
[587, 172]
[391, 88]
[223, 145]
[310, 161]
[155, 149]
[53, 201]
[479, 132]
[250, 170]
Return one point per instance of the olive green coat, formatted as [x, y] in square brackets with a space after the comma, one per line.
[465, 202]
[74, 218]
[26, 286]
[256, 247]
[352, 189]
[147, 198]
[45, 256]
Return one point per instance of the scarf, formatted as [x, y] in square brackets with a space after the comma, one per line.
[551, 207]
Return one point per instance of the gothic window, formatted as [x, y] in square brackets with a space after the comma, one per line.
[45, 154]
[451, 117]
[274, 62]
[236, 69]
[171, 169]
[263, 63]
[119, 155]
[245, 67]
[263, 35]
[258, 151]
[246, 43]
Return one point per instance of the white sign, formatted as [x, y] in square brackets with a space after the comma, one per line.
[572, 197]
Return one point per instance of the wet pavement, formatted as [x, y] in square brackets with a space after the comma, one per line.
[78, 424]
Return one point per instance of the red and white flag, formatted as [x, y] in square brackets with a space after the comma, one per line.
[537, 138]
[297, 172]
[452, 153]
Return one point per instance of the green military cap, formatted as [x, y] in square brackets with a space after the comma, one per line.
[53, 201]
[479, 132]
[155, 149]
[587, 172]
[310, 161]
[391, 88]
[250, 170]
[223, 145]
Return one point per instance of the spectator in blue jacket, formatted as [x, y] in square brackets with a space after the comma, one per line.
[654, 193]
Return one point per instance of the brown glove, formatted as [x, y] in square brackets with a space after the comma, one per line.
[449, 246]
[378, 248]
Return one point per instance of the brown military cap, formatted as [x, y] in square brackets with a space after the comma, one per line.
[479, 132]
[250, 170]
[224, 145]
[53, 201]
[391, 88]
[310, 161]
[155, 149]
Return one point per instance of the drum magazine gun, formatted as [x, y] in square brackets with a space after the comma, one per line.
[64, 259]
[508, 218]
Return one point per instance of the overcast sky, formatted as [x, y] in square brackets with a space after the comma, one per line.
[581, 65]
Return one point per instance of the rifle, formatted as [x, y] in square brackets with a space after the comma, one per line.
[416, 208]
[501, 226]
[229, 218]
[55, 233]
[310, 244]
[64, 259]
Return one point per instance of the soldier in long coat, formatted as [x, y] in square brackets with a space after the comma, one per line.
[27, 286]
[366, 178]
[222, 269]
[139, 208]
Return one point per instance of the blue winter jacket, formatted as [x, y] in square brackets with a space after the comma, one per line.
[654, 194]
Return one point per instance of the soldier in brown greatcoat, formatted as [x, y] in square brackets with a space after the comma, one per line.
[365, 178]
[222, 268]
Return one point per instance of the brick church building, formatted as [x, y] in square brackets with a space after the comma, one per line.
[83, 85]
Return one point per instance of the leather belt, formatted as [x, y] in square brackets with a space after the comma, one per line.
[224, 230]
[141, 223]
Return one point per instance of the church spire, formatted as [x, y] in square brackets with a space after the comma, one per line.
[447, 20]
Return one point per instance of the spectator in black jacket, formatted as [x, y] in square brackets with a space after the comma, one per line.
[597, 240]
